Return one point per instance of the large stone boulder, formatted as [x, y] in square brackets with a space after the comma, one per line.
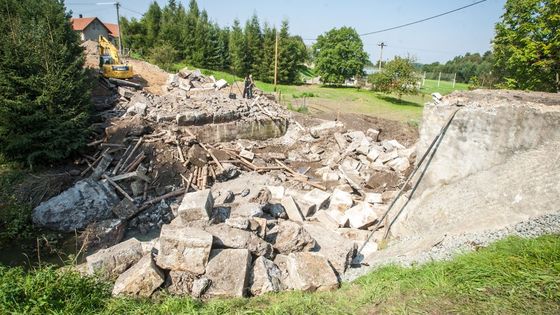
[311, 272]
[141, 280]
[338, 250]
[184, 249]
[292, 237]
[228, 237]
[196, 206]
[116, 259]
[228, 272]
[85, 202]
[265, 277]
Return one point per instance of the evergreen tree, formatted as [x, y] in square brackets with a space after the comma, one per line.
[44, 91]
[266, 69]
[237, 50]
[213, 48]
[224, 48]
[202, 41]
[292, 55]
[190, 30]
[152, 22]
[254, 44]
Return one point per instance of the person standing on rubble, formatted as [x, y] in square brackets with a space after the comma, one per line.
[248, 89]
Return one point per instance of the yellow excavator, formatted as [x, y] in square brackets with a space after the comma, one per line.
[110, 63]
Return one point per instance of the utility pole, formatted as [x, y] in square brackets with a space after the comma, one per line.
[276, 62]
[117, 5]
[382, 44]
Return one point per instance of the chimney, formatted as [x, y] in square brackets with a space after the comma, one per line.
[81, 16]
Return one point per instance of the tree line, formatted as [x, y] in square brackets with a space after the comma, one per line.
[177, 34]
[469, 67]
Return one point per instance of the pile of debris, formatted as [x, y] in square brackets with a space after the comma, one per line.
[260, 212]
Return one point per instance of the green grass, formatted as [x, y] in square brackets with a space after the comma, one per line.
[445, 87]
[512, 276]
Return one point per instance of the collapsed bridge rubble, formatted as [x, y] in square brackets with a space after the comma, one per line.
[244, 199]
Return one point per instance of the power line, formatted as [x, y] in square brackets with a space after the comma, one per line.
[415, 22]
[130, 10]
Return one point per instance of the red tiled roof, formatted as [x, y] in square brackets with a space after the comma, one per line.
[80, 24]
[113, 29]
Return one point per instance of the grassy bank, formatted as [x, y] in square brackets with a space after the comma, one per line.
[513, 276]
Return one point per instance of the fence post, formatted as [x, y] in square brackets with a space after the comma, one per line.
[454, 78]
[424, 79]
[439, 79]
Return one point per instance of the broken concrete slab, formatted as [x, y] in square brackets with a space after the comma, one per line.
[281, 261]
[399, 164]
[246, 154]
[228, 237]
[141, 280]
[311, 272]
[196, 206]
[326, 220]
[396, 144]
[265, 277]
[220, 84]
[292, 237]
[85, 202]
[374, 134]
[373, 154]
[277, 192]
[116, 259]
[361, 216]
[184, 249]
[373, 198]
[306, 208]
[388, 156]
[228, 271]
[292, 210]
[340, 200]
[317, 197]
[338, 250]
[137, 109]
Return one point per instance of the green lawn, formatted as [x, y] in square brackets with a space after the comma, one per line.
[350, 100]
[512, 276]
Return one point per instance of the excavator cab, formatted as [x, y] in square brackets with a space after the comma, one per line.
[110, 62]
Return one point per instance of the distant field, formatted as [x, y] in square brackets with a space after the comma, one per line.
[351, 100]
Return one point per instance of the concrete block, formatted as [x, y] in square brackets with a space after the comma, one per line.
[246, 154]
[388, 156]
[292, 209]
[311, 272]
[338, 250]
[361, 216]
[141, 280]
[340, 200]
[228, 272]
[318, 197]
[228, 237]
[399, 164]
[220, 84]
[374, 134]
[326, 220]
[276, 192]
[306, 208]
[373, 154]
[184, 249]
[265, 277]
[196, 206]
[116, 259]
[292, 237]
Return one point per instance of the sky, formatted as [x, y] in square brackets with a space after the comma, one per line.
[440, 39]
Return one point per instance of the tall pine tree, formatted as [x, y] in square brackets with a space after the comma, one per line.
[237, 50]
[44, 90]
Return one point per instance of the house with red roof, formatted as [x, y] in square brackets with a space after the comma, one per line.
[90, 28]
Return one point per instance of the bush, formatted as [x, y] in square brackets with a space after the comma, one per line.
[44, 90]
[164, 55]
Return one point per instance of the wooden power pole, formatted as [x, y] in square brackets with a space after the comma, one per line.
[276, 62]
[382, 44]
[117, 5]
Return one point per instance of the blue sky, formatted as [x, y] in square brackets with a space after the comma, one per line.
[469, 30]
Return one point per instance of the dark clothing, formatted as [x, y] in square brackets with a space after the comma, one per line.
[248, 89]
